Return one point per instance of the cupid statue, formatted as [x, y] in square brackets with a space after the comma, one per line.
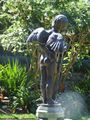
[53, 47]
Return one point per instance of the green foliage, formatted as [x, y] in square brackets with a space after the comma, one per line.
[25, 99]
[12, 76]
[83, 86]
[14, 38]
[18, 86]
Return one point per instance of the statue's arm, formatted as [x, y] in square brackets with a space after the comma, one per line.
[56, 43]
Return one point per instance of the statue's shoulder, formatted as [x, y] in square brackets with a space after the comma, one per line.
[39, 35]
[42, 35]
[38, 30]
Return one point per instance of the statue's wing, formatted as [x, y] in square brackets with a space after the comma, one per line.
[39, 35]
[56, 42]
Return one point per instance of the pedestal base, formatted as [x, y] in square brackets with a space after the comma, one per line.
[50, 112]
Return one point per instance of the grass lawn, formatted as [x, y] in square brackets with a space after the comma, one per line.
[22, 117]
[17, 116]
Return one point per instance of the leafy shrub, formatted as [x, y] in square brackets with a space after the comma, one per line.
[12, 76]
[25, 100]
[83, 85]
[82, 66]
[18, 86]
[14, 38]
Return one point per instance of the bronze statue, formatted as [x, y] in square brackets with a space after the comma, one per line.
[53, 47]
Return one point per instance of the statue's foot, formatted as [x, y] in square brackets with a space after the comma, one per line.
[51, 101]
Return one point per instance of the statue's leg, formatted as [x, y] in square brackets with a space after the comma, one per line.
[43, 83]
[43, 78]
[50, 82]
[59, 74]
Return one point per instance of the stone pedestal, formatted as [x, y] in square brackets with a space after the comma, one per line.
[50, 112]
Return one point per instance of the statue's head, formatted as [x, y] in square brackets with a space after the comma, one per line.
[60, 23]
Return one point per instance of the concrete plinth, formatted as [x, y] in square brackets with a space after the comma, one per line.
[50, 112]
